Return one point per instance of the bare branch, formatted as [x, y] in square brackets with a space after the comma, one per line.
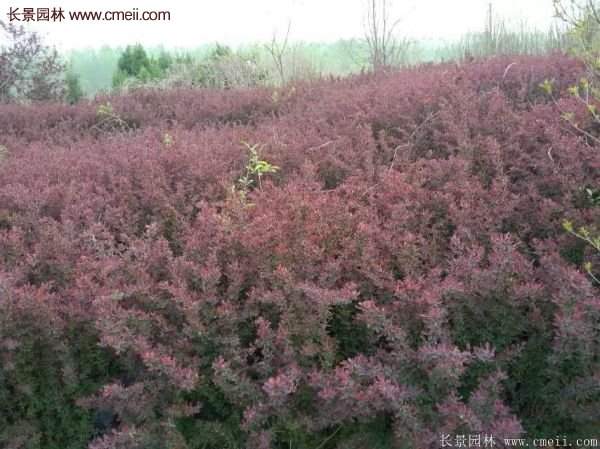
[278, 51]
[383, 46]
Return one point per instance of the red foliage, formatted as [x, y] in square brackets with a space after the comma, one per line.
[407, 260]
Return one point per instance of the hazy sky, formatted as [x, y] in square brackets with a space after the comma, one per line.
[238, 21]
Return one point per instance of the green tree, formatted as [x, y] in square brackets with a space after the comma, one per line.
[29, 69]
[133, 60]
[119, 78]
[74, 91]
[164, 61]
[135, 64]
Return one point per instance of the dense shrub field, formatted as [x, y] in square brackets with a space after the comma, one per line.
[402, 274]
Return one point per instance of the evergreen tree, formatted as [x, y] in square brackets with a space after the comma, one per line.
[74, 91]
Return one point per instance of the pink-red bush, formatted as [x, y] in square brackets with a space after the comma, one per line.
[403, 276]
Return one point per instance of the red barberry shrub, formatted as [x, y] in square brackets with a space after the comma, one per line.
[402, 276]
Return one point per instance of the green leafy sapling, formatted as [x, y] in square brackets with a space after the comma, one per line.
[108, 119]
[593, 240]
[255, 169]
[167, 140]
[547, 86]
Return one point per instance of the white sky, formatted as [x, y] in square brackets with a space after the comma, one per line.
[235, 22]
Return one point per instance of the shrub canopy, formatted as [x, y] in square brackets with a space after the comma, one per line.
[401, 276]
